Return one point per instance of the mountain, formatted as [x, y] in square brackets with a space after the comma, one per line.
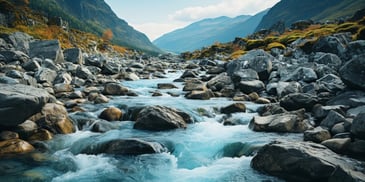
[291, 11]
[95, 16]
[207, 32]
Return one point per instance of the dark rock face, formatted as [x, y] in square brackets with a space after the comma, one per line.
[317, 135]
[220, 82]
[330, 44]
[236, 107]
[358, 126]
[159, 118]
[353, 72]
[301, 73]
[297, 101]
[125, 147]
[248, 87]
[19, 102]
[50, 49]
[302, 161]
[331, 119]
[73, 55]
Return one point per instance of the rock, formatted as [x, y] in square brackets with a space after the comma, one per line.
[297, 101]
[301, 73]
[19, 102]
[115, 89]
[111, 114]
[8, 80]
[283, 88]
[353, 98]
[45, 75]
[104, 126]
[338, 145]
[166, 86]
[248, 87]
[329, 59]
[125, 147]
[14, 146]
[26, 129]
[8, 135]
[54, 118]
[216, 70]
[355, 111]
[262, 101]
[317, 135]
[19, 40]
[270, 109]
[31, 65]
[300, 161]
[331, 119]
[137, 65]
[220, 82]
[158, 118]
[63, 78]
[194, 84]
[128, 76]
[200, 95]
[287, 122]
[13, 56]
[342, 127]
[14, 74]
[84, 73]
[100, 98]
[331, 83]
[353, 74]
[50, 49]
[47, 63]
[342, 174]
[73, 55]
[330, 44]
[189, 74]
[233, 108]
[355, 48]
[357, 149]
[41, 135]
[244, 75]
[239, 149]
[110, 68]
[62, 87]
[358, 126]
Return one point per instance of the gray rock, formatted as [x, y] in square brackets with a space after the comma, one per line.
[159, 118]
[19, 102]
[330, 44]
[342, 174]
[47, 63]
[353, 72]
[110, 68]
[14, 74]
[244, 75]
[19, 40]
[357, 148]
[194, 84]
[166, 86]
[300, 74]
[102, 126]
[44, 49]
[301, 161]
[331, 119]
[233, 108]
[350, 99]
[189, 74]
[95, 61]
[219, 82]
[355, 111]
[26, 129]
[338, 145]
[248, 87]
[297, 101]
[128, 76]
[74, 55]
[356, 48]
[84, 73]
[45, 75]
[63, 77]
[13, 56]
[331, 83]
[329, 59]
[287, 122]
[8, 80]
[125, 147]
[358, 126]
[62, 87]
[115, 89]
[31, 65]
[200, 94]
[317, 135]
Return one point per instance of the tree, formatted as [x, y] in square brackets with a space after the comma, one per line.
[107, 35]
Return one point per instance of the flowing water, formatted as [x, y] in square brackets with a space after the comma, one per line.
[196, 153]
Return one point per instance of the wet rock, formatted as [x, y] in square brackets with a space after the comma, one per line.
[248, 87]
[14, 74]
[262, 101]
[111, 114]
[194, 84]
[297, 101]
[355, 111]
[342, 174]
[357, 149]
[166, 86]
[115, 89]
[342, 127]
[104, 126]
[45, 75]
[233, 108]
[219, 82]
[239, 149]
[287, 122]
[353, 72]
[159, 118]
[125, 147]
[338, 145]
[19, 102]
[14, 146]
[8, 135]
[62, 87]
[50, 49]
[300, 161]
[41, 135]
[358, 126]
[26, 129]
[331, 119]
[100, 98]
[317, 135]
[189, 74]
[73, 55]
[271, 109]
[200, 95]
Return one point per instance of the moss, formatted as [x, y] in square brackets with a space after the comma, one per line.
[254, 44]
[237, 54]
[290, 38]
[275, 45]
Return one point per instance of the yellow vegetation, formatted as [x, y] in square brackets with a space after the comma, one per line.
[275, 45]
[237, 54]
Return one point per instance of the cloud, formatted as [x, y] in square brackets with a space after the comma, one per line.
[155, 30]
[224, 8]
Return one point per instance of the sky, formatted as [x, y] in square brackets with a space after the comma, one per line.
[157, 17]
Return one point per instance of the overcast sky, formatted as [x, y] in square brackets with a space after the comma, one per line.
[157, 17]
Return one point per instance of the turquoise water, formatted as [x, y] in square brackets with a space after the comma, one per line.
[196, 153]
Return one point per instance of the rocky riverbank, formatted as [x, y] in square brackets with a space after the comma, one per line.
[320, 93]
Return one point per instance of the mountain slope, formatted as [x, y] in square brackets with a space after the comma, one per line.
[207, 32]
[95, 16]
[291, 11]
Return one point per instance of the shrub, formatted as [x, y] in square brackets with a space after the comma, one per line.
[254, 44]
[275, 45]
[237, 54]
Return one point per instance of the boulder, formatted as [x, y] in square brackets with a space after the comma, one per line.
[14, 74]
[233, 108]
[50, 49]
[244, 75]
[301, 161]
[110, 68]
[47, 63]
[330, 83]
[84, 73]
[338, 145]
[26, 129]
[297, 101]
[330, 44]
[248, 87]
[358, 126]
[8, 80]
[62, 87]
[14, 146]
[102, 126]
[45, 75]
[189, 74]
[293, 122]
[130, 146]
[111, 114]
[73, 55]
[317, 135]
[300, 74]
[356, 48]
[19, 40]
[342, 174]
[353, 74]
[115, 89]
[329, 59]
[159, 118]
[19, 102]
[13, 56]
[194, 84]
[31, 65]
[220, 82]
[353, 98]
[8, 135]
[41, 135]
[200, 95]
[282, 89]
[166, 86]
[332, 119]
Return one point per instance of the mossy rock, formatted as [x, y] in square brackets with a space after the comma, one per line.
[290, 38]
[348, 27]
[254, 44]
[275, 45]
[361, 34]
[237, 54]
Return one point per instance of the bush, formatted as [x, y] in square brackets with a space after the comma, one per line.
[254, 44]
[275, 45]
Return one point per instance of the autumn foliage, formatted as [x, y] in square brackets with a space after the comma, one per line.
[107, 35]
